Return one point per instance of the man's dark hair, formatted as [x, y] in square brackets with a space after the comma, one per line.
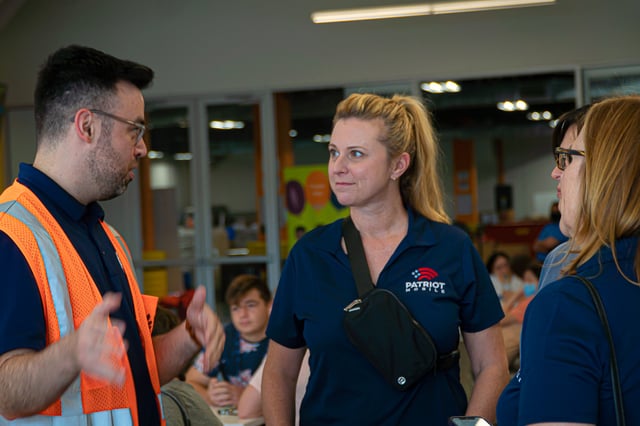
[77, 77]
[244, 283]
[565, 121]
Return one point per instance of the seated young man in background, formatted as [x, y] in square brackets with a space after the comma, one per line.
[249, 301]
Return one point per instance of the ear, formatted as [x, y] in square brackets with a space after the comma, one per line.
[84, 125]
[400, 165]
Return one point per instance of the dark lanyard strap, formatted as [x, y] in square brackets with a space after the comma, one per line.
[615, 375]
[357, 258]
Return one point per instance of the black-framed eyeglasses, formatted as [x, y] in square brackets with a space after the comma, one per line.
[141, 128]
[564, 156]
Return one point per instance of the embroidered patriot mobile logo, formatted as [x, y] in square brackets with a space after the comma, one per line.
[423, 280]
[421, 274]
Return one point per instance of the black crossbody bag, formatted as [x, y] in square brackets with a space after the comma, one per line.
[383, 329]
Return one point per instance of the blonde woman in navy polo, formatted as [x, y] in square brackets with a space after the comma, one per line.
[383, 166]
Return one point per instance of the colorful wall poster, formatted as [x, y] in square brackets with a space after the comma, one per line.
[309, 200]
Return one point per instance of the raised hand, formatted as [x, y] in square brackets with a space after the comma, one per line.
[100, 349]
[207, 328]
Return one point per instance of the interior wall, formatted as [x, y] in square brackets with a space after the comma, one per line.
[203, 46]
[21, 138]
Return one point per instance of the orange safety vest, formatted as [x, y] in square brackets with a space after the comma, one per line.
[69, 295]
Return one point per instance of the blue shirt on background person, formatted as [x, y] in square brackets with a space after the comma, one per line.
[550, 230]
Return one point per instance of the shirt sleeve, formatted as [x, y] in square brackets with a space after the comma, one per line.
[284, 327]
[22, 323]
[480, 305]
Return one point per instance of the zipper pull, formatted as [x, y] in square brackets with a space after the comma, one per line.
[352, 306]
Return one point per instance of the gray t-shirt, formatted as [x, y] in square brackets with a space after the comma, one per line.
[553, 263]
[179, 399]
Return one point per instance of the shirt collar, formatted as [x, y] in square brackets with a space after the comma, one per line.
[420, 233]
[625, 249]
[53, 195]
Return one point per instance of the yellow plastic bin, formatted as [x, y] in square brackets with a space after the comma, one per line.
[155, 279]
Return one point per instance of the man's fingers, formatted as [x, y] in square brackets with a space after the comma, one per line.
[119, 324]
[199, 298]
[110, 302]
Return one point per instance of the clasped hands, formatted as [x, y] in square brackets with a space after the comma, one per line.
[222, 393]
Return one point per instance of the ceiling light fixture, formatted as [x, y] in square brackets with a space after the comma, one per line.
[441, 87]
[515, 105]
[183, 156]
[155, 155]
[226, 124]
[540, 116]
[420, 9]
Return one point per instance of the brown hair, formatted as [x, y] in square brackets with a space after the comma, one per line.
[244, 283]
[610, 194]
[408, 128]
[565, 121]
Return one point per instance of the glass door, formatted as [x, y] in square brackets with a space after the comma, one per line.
[603, 82]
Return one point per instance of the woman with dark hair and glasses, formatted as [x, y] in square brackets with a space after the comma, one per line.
[565, 375]
[564, 136]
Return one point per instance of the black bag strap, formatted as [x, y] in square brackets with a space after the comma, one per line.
[181, 407]
[615, 375]
[357, 258]
[364, 283]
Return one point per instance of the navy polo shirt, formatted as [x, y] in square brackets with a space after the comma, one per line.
[21, 317]
[564, 363]
[435, 271]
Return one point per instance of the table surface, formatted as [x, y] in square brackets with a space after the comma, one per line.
[228, 420]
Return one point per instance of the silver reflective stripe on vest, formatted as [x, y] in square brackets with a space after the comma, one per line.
[120, 417]
[124, 248]
[72, 413]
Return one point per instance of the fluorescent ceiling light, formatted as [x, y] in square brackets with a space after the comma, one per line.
[515, 105]
[226, 124]
[421, 9]
[441, 87]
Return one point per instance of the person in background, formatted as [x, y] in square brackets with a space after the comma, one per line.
[508, 285]
[75, 330]
[249, 300]
[250, 403]
[182, 405]
[300, 231]
[565, 376]
[550, 235]
[383, 162]
[564, 135]
[512, 322]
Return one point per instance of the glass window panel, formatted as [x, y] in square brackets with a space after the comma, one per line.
[506, 144]
[603, 82]
[304, 128]
[172, 243]
[235, 177]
